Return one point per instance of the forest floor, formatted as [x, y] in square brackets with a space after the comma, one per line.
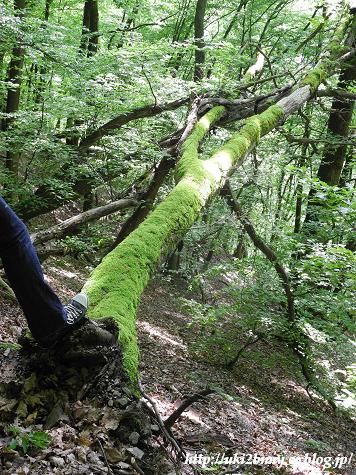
[255, 410]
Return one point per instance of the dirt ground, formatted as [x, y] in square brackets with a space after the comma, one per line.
[254, 412]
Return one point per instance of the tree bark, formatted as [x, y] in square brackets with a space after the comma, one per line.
[90, 39]
[333, 159]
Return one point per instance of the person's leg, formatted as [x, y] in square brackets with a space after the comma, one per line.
[43, 310]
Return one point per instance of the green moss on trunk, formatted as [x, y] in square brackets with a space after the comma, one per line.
[116, 285]
[315, 78]
[325, 67]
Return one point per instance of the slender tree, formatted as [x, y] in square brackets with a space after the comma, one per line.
[14, 89]
[90, 38]
[199, 40]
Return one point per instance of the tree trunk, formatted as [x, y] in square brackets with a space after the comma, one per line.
[334, 156]
[333, 159]
[13, 92]
[88, 46]
[90, 39]
[115, 286]
[199, 40]
[301, 162]
[41, 82]
[173, 261]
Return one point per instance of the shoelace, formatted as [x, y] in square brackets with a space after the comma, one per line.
[73, 313]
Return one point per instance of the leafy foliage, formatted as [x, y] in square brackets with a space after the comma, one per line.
[24, 441]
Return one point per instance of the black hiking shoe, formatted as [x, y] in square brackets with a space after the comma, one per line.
[75, 310]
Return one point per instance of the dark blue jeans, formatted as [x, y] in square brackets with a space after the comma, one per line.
[42, 308]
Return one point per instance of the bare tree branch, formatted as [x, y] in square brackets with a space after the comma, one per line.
[184, 406]
[67, 226]
[119, 121]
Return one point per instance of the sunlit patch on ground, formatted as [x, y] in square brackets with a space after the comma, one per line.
[161, 334]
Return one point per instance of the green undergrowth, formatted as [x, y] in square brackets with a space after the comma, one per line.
[23, 440]
[12, 346]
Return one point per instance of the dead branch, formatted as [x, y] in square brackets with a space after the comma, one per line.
[71, 224]
[242, 103]
[263, 247]
[261, 51]
[245, 108]
[184, 406]
[167, 435]
[104, 455]
[55, 251]
[119, 121]
[192, 117]
[337, 93]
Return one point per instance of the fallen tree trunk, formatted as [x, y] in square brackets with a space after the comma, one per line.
[69, 225]
[116, 285]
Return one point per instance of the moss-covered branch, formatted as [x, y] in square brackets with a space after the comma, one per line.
[116, 285]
